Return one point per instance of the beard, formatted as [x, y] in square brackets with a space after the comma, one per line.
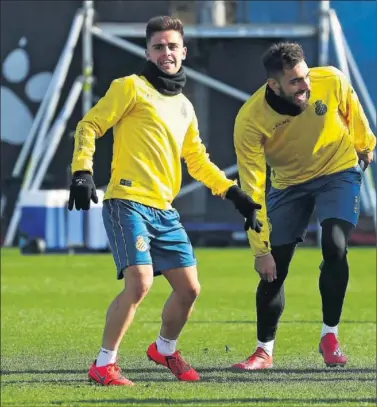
[302, 104]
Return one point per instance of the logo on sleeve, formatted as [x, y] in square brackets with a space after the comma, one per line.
[125, 182]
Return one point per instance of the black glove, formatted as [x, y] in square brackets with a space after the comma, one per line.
[246, 207]
[82, 190]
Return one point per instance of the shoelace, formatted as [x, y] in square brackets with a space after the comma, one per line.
[177, 365]
[116, 369]
[261, 354]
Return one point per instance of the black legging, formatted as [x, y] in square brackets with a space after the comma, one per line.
[332, 282]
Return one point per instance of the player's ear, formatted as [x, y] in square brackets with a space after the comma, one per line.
[146, 54]
[184, 53]
[273, 84]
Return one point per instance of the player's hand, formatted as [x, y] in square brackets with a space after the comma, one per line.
[82, 190]
[246, 207]
[365, 159]
[266, 268]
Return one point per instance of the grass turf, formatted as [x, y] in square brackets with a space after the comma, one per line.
[52, 315]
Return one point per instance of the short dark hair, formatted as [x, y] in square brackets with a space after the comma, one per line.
[281, 56]
[163, 23]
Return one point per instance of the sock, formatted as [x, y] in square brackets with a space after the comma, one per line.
[268, 347]
[166, 346]
[106, 357]
[329, 330]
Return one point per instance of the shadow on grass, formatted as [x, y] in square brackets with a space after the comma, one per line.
[45, 381]
[227, 402]
[212, 379]
[208, 375]
[246, 321]
[222, 401]
[309, 371]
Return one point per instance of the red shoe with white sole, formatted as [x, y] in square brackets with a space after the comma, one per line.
[180, 369]
[329, 348]
[109, 375]
[259, 360]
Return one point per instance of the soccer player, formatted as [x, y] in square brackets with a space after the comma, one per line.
[309, 127]
[154, 126]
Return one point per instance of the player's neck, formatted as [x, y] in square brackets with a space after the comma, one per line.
[165, 83]
[280, 105]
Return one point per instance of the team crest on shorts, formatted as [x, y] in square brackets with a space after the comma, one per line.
[141, 244]
[320, 108]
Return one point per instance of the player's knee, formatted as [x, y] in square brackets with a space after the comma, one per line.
[334, 239]
[141, 289]
[282, 256]
[189, 294]
[270, 290]
[334, 248]
[138, 282]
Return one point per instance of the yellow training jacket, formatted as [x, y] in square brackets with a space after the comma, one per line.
[322, 140]
[151, 134]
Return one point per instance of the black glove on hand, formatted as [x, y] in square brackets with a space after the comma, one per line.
[82, 190]
[246, 207]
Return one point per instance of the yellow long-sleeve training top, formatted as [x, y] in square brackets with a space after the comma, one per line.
[324, 139]
[152, 132]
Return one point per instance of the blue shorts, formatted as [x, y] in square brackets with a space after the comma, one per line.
[333, 196]
[140, 234]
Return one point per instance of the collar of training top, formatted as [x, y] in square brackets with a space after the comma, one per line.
[280, 105]
[166, 84]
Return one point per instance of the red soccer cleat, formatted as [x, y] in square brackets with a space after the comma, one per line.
[330, 350]
[180, 369]
[259, 360]
[109, 375]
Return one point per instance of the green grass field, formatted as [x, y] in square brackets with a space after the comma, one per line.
[52, 315]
